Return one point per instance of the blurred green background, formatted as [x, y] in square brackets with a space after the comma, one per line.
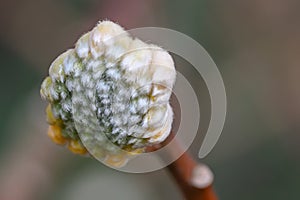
[255, 44]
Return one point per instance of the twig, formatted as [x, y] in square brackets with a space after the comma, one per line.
[194, 179]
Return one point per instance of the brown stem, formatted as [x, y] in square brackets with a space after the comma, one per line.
[194, 179]
[182, 170]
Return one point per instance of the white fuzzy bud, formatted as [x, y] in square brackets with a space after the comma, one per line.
[115, 87]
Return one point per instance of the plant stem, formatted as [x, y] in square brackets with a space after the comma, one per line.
[182, 171]
[194, 179]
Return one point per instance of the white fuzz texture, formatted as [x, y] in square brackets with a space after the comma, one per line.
[118, 87]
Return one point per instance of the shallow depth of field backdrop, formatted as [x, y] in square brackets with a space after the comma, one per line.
[255, 44]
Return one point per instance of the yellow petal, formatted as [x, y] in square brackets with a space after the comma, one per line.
[50, 118]
[136, 151]
[118, 160]
[54, 132]
[76, 147]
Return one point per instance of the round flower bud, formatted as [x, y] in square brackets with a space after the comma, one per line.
[110, 95]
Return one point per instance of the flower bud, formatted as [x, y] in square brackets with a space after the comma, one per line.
[110, 95]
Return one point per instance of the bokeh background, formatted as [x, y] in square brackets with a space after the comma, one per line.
[255, 44]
